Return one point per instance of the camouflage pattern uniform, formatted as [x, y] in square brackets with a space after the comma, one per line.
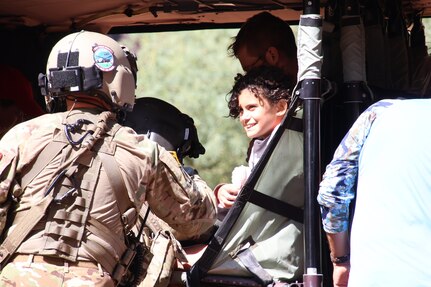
[150, 175]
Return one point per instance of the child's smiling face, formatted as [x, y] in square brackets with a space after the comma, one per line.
[257, 115]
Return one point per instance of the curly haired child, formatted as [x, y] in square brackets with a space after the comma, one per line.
[260, 100]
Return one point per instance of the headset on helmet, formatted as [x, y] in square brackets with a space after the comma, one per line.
[91, 63]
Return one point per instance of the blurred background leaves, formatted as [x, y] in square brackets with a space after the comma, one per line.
[193, 71]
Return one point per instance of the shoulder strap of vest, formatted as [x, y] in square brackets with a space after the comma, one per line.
[106, 154]
[20, 232]
[46, 156]
[117, 183]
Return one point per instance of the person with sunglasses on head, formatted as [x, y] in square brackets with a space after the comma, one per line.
[265, 39]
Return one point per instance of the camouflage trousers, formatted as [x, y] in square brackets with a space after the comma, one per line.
[45, 274]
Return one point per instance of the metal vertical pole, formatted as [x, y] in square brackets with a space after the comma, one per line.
[311, 100]
[310, 94]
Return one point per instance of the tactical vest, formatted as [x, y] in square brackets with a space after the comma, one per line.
[67, 230]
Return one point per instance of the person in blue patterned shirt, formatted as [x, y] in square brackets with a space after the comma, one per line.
[383, 163]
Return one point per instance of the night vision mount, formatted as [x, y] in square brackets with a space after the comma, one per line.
[65, 80]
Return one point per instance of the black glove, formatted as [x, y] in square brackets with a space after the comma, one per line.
[190, 170]
[191, 147]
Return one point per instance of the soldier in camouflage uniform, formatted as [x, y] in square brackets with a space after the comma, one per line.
[72, 183]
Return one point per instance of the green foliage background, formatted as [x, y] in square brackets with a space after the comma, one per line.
[193, 71]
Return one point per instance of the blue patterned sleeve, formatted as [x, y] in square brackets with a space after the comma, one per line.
[338, 185]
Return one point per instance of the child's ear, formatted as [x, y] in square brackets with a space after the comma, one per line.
[272, 56]
[281, 107]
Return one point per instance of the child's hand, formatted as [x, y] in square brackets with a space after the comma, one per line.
[227, 194]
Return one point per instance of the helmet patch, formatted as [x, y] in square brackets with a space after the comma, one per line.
[103, 58]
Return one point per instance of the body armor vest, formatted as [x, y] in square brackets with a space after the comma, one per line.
[68, 230]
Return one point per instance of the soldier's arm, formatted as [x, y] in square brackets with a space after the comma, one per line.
[7, 173]
[12, 158]
[185, 202]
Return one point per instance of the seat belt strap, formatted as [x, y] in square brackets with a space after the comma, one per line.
[277, 206]
[250, 262]
[296, 124]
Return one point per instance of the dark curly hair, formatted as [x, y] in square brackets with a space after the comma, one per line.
[267, 82]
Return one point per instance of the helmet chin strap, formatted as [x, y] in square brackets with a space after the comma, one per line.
[97, 100]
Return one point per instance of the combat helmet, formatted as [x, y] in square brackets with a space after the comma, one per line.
[163, 123]
[91, 63]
